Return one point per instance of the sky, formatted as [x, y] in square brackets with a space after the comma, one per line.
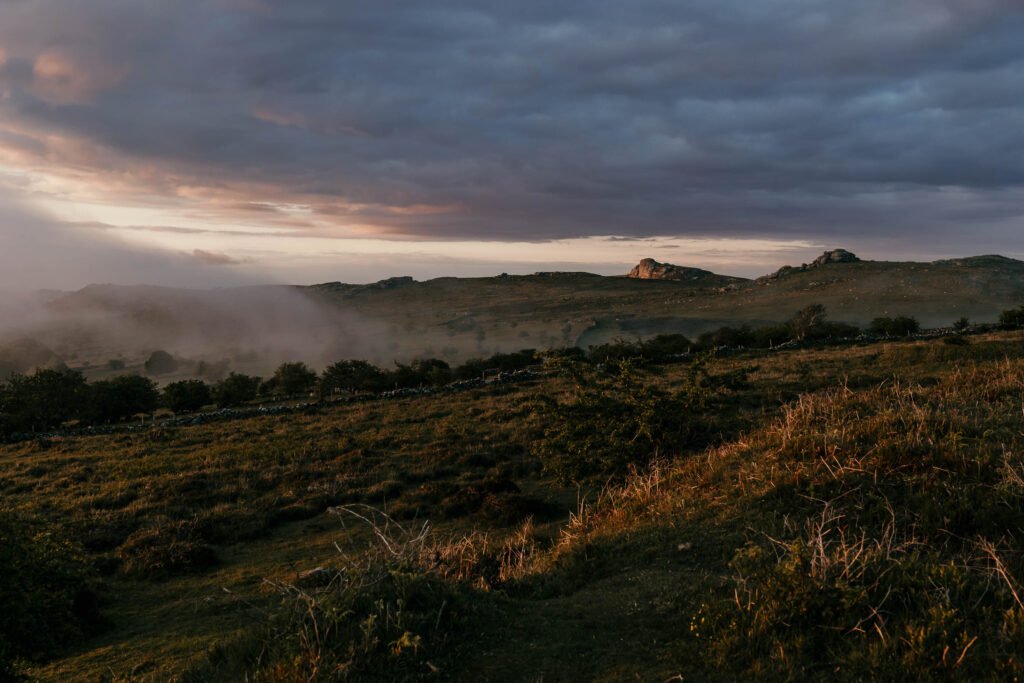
[217, 142]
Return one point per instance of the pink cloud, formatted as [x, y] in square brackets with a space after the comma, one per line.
[62, 78]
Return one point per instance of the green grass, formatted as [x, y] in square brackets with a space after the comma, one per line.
[855, 512]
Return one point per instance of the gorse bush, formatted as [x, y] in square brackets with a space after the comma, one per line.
[864, 604]
[913, 566]
[47, 592]
[166, 549]
[614, 421]
[392, 613]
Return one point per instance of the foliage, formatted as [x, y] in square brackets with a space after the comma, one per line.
[161, 363]
[165, 549]
[807, 322]
[664, 347]
[421, 372]
[1012, 319]
[236, 389]
[727, 336]
[615, 421]
[386, 615]
[47, 590]
[769, 336]
[187, 396]
[293, 378]
[352, 375]
[121, 397]
[505, 362]
[42, 400]
[899, 326]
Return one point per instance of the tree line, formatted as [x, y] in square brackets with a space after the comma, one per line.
[49, 398]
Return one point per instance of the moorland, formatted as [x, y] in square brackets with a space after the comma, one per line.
[811, 491]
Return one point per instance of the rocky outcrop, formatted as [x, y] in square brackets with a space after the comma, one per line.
[834, 256]
[649, 269]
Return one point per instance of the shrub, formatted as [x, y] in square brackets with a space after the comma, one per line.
[187, 396]
[424, 371]
[236, 389]
[664, 346]
[614, 422]
[352, 375]
[726, 336]
[1012, 319]
[769, 336]
[47, 590]
[866, 604]
[165, 550]
[807, 322]
[395, 614]
[161, 363]
[115, 399]
[293, 378]
[614, 352]
[900, 326]
[42, 400]
[505, 362]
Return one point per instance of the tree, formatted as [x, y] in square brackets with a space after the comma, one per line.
[771, 335]
[432, 371]
[160, 363]
[186, 396]
[352, 375]
[121, 397]
[807, 321]
[727, 336]
[1012, 318]
[894, 327]
[42, 400]
[293, 378]
[962, 325]
[236, 389]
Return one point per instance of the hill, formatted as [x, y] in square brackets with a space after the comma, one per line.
[255, 328]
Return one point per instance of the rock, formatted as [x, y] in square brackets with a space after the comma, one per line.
[835, 256]
[828, 258]
[649, 269]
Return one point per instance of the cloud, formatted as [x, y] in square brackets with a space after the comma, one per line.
[39, 252]
[216, 258]
[62, 78]
[878, 121]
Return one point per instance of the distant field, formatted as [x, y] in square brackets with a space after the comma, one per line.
[187, 525]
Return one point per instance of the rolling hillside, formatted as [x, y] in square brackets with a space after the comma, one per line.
[256, 328]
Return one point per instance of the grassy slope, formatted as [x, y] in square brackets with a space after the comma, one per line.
[615, 595]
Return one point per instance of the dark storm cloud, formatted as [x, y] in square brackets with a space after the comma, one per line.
[798, 118]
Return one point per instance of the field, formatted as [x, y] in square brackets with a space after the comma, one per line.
[831, 512]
